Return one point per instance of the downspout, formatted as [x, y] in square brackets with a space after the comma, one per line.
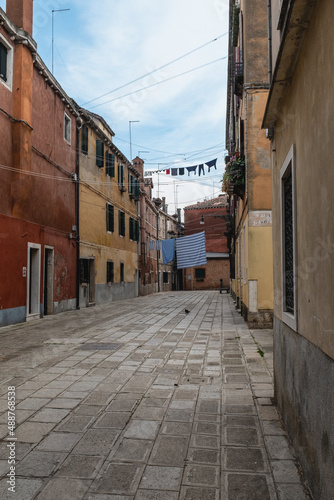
[270, 42]
[77, 171]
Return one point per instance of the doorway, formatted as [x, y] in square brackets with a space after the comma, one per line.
[34, 280]
[48, 280]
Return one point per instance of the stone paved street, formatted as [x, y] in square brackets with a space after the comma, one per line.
[140, 401]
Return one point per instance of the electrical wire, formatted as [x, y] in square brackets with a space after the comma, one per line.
[158, 83]
[155, 70]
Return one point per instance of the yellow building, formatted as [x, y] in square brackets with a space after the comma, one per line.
[299, 120]
[108, 216]
[248, 174]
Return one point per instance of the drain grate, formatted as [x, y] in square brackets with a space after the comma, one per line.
[100, 347]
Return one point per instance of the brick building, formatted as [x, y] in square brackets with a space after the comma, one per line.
[211, 217]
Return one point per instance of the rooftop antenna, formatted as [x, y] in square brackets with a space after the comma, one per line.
[53, 11]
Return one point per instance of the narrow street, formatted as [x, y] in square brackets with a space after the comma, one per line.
[141, 400]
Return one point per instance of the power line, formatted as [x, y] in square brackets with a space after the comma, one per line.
[158, 83]
[155, 70]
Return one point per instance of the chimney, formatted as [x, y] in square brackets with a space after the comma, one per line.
[179, 215]
[20, 12]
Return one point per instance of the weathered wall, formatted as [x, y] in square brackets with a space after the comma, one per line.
[304, 366]
[215, 270]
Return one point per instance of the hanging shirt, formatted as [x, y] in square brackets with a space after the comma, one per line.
[158, 244]
[168, 250]
[151, 245]
[191, 169]
[190, 251]
[211, 164]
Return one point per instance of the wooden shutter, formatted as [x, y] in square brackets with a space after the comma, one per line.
[3, 62]
[84, 139]
[99, 153]
[110, 218]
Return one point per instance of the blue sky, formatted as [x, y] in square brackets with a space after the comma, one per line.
[103, 44]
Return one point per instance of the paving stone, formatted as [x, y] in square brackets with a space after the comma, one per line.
[149, 412]
[80, 466]
[161, 478]
[169, 450]
[58, 489]
[142, 429]
[247, 459]
[278, 447]
[202, 475]
[202, 441]
[32, 404]
[75, 423]
[109, 419]
[182, 404]
[98, 398]
[33, 432]
[179, 415]
[241, 421]
[176, 428]
[272, 428]
[212, 407]
[191, 493]
[133, 450]
[39, 464]
[88, 410]
[119, 479]
[285, 471]
[58, 441]
[154, 402]
[206, 428]
[247, 410]
[250, 487]
[96, 442]
[49, 415]
[63, 403]
[242, 436]
[291, 491]
[203, 456]
[122, 405]
[25, 489]
[155, 495]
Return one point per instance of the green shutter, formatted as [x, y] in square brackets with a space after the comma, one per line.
[110, 164]
[110, 218]
[99, 153]
[84, 139]
[3, 62]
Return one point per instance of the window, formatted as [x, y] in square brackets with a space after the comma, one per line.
[99, 153]
[84, 139]
[120, 175]
[84, 271]
[165, 277]
[6, 63]
[133, 229]
[110, 272]
[121, 272]
[3, 62]
[67, 128]
[199, 274]
[110, 218]
[121, 223]
[288, 231]
[110, 164]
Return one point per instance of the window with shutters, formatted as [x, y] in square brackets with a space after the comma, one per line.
[110, 271]
[84, 271]
[3, 62]
[99, 153]
[121, 272]
[121, 223]
[84, 139]
[6, 63]
[110, 164]
[133, 229]
[120, 175]
[288, 231]
[110, 218]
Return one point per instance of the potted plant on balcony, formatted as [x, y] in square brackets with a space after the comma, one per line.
[234, 177]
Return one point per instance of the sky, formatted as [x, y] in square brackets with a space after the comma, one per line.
[102, 45]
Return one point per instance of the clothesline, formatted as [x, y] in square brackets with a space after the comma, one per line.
[181, 170]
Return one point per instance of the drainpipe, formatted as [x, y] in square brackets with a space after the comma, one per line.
[270, 42]
[77, 171]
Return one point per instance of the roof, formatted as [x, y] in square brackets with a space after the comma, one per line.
[219, 202]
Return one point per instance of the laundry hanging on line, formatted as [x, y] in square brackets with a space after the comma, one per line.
[181, 170]
[168, 250]
[190, 251]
